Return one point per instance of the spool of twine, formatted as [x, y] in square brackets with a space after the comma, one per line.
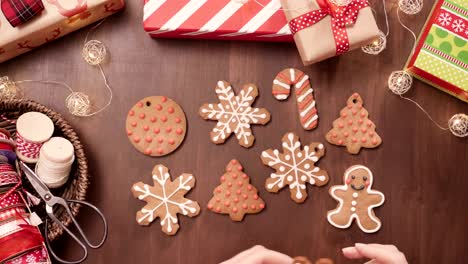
[32, 130]
[55, 161]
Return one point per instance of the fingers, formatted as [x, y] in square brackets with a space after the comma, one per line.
[379, 253]
[259, 255]
[383, 254]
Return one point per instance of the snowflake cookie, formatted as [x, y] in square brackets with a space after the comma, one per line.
[234, 114]
[165, 199]
[294, 167]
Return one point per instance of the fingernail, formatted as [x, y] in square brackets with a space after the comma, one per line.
[347, 249]
[359, 244]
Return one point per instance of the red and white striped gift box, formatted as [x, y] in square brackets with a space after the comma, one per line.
[256, 20]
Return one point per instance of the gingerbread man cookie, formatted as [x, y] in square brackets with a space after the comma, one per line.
[235, 195]
[234, 114]
[353, 128]
[156, 126]
[356, 201]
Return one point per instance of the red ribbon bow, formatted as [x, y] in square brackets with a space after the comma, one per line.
[341, 16]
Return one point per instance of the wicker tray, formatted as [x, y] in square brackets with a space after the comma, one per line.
[76, 186]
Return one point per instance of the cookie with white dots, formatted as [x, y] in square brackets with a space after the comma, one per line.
[156, 126]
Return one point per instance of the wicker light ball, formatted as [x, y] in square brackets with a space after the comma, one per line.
[458, 125]
[376, 46]
[400, 82]
[410, 7]
[94, 52]
[9, 90]
[78, 104]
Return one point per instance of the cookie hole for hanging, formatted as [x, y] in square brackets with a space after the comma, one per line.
[316, 149]
[354, 101]
[148, 103]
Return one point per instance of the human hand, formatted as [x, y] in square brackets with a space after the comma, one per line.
[379, 254]
[259, 255]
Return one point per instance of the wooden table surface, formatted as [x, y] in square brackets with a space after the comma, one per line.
[422, 170]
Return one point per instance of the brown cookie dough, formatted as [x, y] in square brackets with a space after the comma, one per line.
[156, 126]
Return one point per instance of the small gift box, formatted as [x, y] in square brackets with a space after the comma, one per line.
[58, 18]
[441, 54]
[259, 20]
[326, 28]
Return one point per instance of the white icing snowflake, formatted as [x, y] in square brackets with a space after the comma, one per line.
[458, 25]
[295, 167]
[234, 114]
[165, 199]
[444, 19]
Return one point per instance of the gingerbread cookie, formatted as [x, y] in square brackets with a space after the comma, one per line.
[165, 199]
[234, 113]
[235, 195]
[354, 129]
[356, 201]
[295, 167]
[281, 89]
[156, 126]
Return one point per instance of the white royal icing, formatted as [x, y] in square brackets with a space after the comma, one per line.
[161, 178]
[295, 174]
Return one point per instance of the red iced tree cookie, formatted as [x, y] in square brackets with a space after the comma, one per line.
[235, 195]
[156, 126]
[356, 201]
[353, 128]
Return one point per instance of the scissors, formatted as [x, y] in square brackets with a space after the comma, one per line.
[51, 201]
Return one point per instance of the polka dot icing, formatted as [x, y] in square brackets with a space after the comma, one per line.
[235, 195]
[156, 125]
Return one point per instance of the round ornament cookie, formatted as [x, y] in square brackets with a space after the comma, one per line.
[156, 125]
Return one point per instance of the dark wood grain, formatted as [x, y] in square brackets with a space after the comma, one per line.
[422, 170]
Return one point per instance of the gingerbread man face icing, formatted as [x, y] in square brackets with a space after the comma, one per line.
[356, 201]
[156, 126]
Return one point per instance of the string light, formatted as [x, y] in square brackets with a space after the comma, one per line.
[9, 90]
[400, 82]
[94, 53]
[458, 125]
[377, 46]
[410, 7]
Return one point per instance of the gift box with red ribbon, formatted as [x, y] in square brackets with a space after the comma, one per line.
[441, 54]
[326, 28]
[255, 20]
[27, 24]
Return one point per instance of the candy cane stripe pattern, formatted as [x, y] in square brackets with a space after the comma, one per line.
[282, 84]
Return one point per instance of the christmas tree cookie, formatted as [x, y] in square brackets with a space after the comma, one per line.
[235, 195]
[353, 128]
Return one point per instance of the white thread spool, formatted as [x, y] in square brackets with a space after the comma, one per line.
[34, 129]
[55, 162]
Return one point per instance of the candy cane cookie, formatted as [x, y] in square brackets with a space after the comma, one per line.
[304, 94]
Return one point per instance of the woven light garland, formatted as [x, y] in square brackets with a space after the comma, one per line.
[94, 53]
[9, 90]
[377, 46]
[400, 82]
[458, 125]
[410, 7]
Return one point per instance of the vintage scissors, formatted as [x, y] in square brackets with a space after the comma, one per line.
[52, 201]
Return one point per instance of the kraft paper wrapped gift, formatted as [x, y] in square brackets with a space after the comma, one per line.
[316, 42]
[58, 18]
